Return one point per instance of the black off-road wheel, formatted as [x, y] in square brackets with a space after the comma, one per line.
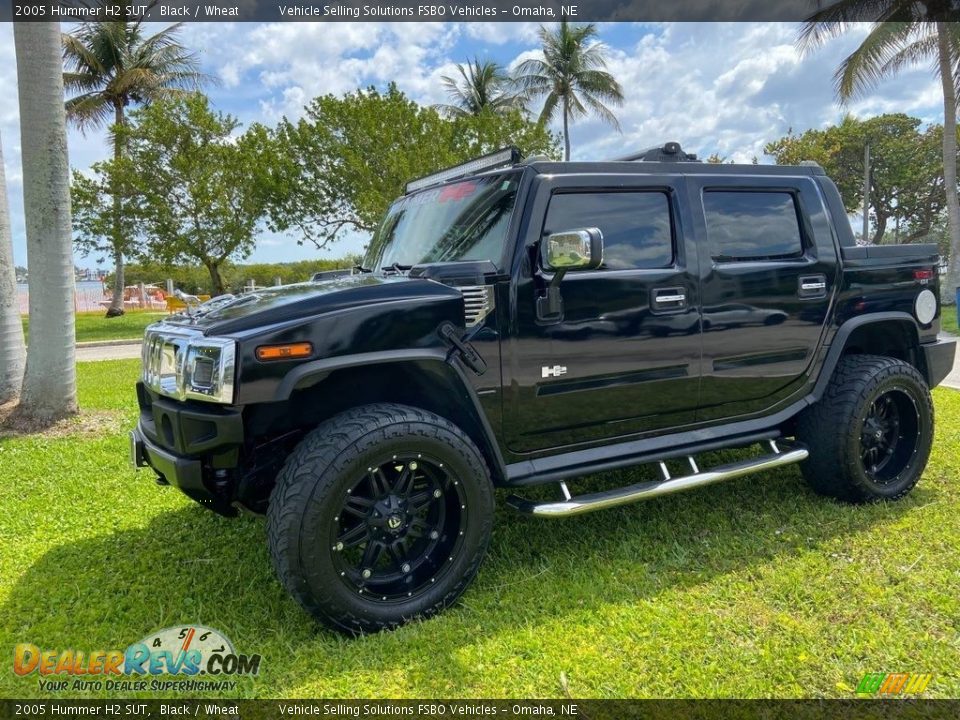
[870, 434]
[380, 515]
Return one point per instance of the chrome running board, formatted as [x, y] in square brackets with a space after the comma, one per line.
[780, 455]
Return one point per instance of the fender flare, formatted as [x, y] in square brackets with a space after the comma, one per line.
[316, 371]
[842, 335]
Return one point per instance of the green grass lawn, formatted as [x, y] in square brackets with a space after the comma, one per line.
[751, 588]
[948, 318]
[94, 326]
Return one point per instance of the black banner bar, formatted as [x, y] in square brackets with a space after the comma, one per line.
[215, 709]
[427, 11]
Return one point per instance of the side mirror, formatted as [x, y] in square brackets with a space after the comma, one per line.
[563, 251]
[572, 250]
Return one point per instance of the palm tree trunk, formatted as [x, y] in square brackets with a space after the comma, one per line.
[49, 386]
[566, 130]
[119, 283]
[12, 351]
[948, 288]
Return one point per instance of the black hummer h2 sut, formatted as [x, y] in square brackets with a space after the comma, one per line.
[533, 322]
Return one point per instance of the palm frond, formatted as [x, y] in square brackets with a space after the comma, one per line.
[863, 68]
[835, 19]
[601, 110]
[550, 106]
[89, 110]
[482, 85]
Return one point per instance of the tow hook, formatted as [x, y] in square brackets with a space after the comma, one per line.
[470, 357]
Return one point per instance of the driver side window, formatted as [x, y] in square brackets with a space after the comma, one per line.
[636, 226]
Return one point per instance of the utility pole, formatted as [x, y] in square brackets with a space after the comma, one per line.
[866, 193]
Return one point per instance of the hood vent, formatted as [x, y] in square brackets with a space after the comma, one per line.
[477, 303]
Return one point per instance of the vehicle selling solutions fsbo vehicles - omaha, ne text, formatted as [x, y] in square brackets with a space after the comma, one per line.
[519, 323]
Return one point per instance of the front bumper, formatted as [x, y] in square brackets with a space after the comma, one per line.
[939, 358]
[191, 447]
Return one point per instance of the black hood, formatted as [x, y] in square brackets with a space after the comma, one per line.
[292, 302]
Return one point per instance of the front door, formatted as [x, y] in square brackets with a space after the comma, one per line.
[624, 356]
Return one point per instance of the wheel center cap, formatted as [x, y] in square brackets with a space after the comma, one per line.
[394, 522]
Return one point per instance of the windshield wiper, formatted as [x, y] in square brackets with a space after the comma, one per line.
[398, 268]
[361, 268]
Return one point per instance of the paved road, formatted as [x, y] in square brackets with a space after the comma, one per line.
[121, 351]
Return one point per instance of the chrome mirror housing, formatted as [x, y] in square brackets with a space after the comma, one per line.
[580, 249]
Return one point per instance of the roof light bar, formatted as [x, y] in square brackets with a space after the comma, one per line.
[498, 158]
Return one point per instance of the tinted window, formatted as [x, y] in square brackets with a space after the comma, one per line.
[635, 225]
[752, 225]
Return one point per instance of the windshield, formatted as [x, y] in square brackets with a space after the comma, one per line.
[467, 220]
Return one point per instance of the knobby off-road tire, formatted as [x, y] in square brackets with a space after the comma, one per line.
[870, 434]
[380, 515]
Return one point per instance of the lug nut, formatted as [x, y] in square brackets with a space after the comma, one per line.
[366, 573]
[413, 465]
[338, 547]
[406, 567]
[434, 534]
[437, 493]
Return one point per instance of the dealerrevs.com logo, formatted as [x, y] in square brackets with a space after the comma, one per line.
[170, 659]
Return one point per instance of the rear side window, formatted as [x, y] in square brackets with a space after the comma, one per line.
[752, 225]
[636, 227]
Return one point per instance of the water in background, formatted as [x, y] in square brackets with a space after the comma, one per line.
[87, 297]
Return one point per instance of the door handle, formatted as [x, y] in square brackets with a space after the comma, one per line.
[812, 286]
[669, 298]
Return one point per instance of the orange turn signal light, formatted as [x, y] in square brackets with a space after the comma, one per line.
[288, 351]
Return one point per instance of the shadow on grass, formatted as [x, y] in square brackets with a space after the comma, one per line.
[190, 566]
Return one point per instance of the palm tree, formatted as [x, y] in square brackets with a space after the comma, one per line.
[49, 384]
[895, 42]
[109, 66]
[572, 76]
[12, 351]
[481, 87]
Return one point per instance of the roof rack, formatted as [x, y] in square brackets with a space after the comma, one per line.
[668, 152]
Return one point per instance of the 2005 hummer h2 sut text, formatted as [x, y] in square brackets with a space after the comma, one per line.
[533, 322]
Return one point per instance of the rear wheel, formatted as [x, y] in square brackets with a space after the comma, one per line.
[382, 514]
[870, 434]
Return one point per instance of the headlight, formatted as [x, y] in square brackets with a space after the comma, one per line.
[185, 367]
[208, 370]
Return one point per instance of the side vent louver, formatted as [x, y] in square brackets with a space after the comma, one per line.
[477, 303]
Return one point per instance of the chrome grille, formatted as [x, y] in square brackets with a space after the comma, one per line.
[163, 355]
[477, 303]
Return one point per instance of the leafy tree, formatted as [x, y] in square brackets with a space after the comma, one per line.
[193, 185]
[111, 65]
[483, 86]
[908, 32]
[341, 166]
[12, 350]
[96, 223]
[49, 382]
[571, 76]
[906, 172]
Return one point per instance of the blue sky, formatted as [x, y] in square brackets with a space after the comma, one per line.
[714, 87]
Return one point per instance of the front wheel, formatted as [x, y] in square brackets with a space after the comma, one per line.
[870, 434]
[382, 514]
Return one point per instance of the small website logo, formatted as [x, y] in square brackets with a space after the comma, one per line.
[184, 651]
[894, 683]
